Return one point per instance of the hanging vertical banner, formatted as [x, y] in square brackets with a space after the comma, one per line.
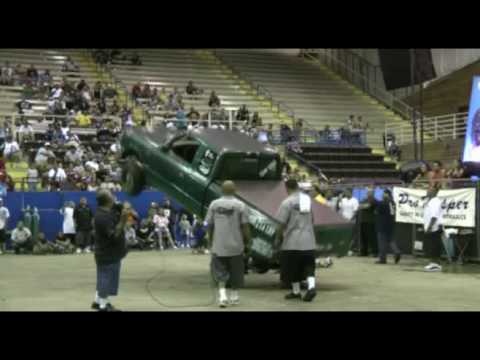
[458, 206]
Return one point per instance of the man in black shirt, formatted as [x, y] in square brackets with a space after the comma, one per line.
[385, 223]
[83, 217]
[110, 248]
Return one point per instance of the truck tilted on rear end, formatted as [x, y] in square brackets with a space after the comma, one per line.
[190, 166]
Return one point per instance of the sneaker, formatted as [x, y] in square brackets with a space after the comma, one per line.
[234, 301]
[432, 267]
[175, 247]
[293, 296]
[79, 251]
[397, 258]
[188, 246]
[223, 303]
[206, 252]
[87, 250]
[109, 308]
[1, 252]
[95, 306]
[309, 295]
[328, 262]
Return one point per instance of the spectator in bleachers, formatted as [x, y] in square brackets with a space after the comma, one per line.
[73, 155]
[56, 177]
[436, 176]
[57, 92]
[193, 114]
[256, 120]
[135, 59]
[163, 96]
[351, 122]
[214, 100]
[137, 90]
[32, 177]
[32, 74]
[20, 74]
[110, 92]
[146, 92]
[83, 120]
[7, 73]
[45, 80]
[11, 151]
[44, 154]
[191, 89]
[82, 85]
[456, 171]
[70, 66]
[21, 238]
[362, 125]
[102, 106]
[243, 114]
[98, 91]
[23, 106]
[25, 132]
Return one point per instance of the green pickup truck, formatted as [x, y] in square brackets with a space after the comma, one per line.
[190, 166]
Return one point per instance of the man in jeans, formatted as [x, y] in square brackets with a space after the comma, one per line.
[83, 217]
[4, 216]
[385, 223]
[432, 225]
[110, 249]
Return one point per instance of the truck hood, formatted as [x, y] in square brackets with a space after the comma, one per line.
[266, 196]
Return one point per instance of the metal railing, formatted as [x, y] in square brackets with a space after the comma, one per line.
[360, 73]
[443, 128]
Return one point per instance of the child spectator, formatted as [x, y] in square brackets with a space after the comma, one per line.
[199, 235]
[185, 231]
[131, 238]
[161, 222]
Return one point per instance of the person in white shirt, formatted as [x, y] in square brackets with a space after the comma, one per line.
[12, 151]
[56, 92]
[57, 176]
[432, 225]
[21, 238]
[4, 216]
[92, 164]
[25, 131]
[69, 222]
[161, 223]
[43, 154]
[348, 206]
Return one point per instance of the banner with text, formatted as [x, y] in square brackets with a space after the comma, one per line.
[458, 206]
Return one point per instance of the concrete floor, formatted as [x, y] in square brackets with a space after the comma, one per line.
[179, 280]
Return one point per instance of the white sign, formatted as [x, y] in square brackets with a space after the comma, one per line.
[458, 206]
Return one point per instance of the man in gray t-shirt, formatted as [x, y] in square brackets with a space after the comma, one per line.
[296, 237]
[228, 232]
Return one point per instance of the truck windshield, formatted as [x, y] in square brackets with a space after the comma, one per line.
[250, 168]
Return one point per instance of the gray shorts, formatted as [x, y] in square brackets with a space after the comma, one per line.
[228, 269]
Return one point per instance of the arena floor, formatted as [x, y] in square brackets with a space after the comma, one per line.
[179, 280]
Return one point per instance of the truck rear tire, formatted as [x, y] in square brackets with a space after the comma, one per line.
[133, 176]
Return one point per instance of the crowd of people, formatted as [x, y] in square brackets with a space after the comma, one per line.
[163, 228]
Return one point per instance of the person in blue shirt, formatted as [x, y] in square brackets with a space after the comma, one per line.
[199, 234]
[181, 119]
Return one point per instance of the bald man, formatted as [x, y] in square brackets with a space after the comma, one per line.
[228, 234]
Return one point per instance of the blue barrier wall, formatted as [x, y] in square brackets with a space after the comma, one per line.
[50, 203]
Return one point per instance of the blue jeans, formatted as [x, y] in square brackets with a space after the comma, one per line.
[108, 278]
[384, 240]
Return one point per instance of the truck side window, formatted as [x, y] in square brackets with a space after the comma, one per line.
[186, 149]
[206, 163]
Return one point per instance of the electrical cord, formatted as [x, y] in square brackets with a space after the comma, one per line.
[155, 299]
